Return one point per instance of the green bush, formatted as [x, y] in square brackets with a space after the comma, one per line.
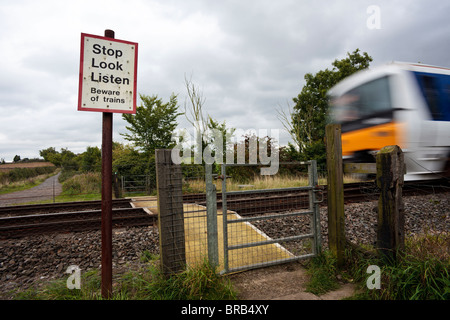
[85, 183]
[19, 174]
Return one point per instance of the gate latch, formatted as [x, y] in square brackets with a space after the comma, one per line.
[319, 189]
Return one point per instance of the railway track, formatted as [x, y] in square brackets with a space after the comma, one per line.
[59, 207]
[279, 201]
[18, 221]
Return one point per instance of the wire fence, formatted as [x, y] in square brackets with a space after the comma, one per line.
[195, 213]
[258, 228]
[270, 226]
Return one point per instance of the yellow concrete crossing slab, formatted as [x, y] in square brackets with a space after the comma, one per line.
[195, 227]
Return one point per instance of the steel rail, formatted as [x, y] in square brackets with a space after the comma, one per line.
[59, 207]
[19, 226]
[22, 220]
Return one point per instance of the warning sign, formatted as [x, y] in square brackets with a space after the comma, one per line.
[108, 70]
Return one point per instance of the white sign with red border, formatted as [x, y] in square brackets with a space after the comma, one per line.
[108, 71]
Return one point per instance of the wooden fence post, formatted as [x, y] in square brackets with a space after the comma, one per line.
[117, 189]
[391, 220]
[335, 192]
[170, 213]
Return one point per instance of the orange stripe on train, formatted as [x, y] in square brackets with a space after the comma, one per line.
[373, 138]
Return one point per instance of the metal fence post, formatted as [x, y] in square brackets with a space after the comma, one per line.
[211, 218]
[314, 206]
[224, 216]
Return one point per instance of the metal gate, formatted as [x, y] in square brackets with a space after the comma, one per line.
[265, 227]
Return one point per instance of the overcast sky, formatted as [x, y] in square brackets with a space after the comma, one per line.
[248, 57]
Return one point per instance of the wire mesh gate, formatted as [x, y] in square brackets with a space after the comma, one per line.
[262, 227]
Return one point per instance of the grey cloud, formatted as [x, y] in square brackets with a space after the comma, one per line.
[249, 57]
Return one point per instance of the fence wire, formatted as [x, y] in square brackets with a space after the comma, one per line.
[259, 227]
[195, 213]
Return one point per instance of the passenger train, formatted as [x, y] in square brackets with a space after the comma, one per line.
[404, 104]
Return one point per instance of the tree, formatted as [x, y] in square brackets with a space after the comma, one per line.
[46, 153]
[91, 159]
[204, 125]
[309, 115]
[128, 161]
[152, 125]
[69, 160]
[16, 158]
[66, 158]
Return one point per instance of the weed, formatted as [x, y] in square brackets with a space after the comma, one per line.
[200, 282]
[322, 270]
[147, 256]
[420, 274]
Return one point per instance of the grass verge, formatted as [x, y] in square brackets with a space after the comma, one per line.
[421, 274]
[25, 184]
[200, 282]
[322, 270]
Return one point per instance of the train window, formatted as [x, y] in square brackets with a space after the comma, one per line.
[436, 98]
[371, 98]
[431, 93]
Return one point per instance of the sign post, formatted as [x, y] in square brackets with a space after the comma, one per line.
[108, 71]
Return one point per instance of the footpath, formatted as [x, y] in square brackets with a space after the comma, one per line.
[282, 282]
[45, 191]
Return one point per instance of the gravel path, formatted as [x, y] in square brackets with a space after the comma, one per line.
[45, 191]
[28, 260]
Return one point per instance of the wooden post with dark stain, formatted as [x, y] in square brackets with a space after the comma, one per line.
[391, 220]
[170, 213]
[335, 195]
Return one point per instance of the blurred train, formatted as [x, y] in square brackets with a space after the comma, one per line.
[402, 104]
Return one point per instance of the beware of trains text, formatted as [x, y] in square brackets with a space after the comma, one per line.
[108, 69]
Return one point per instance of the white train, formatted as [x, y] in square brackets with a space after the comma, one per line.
[402, 104]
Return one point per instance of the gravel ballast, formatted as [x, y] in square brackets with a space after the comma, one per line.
[38, 259]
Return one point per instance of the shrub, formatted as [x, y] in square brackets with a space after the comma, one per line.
[18, 174]
[86, 183]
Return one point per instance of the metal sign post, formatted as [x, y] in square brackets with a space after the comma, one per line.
[108, 70]
[107, 205]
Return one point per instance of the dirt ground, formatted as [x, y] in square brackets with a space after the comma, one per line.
[282, 282]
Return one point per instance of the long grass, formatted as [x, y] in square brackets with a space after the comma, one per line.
[421, 273]
[322, 270]
[260, 182]
[200, 282]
